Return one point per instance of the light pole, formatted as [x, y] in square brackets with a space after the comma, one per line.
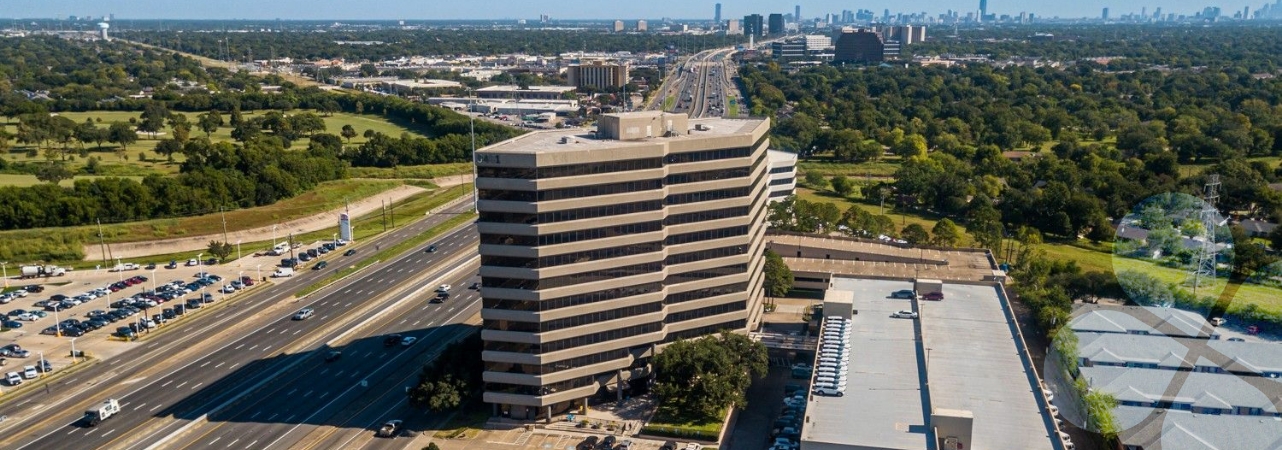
[260, 271]
[273, 236]
[73, 350]
[201, 264]
[237, 250]
[153, 281]
[120, 270]
[241, 277]
[57, 324]
[4, 266]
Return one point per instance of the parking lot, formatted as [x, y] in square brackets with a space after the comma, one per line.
[96, 312]
[523, 439]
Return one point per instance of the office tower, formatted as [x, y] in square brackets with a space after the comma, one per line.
[1144, 12]
[599, 249]
[1157, 14]
[859, 47]
[716, 17]
[753, 25]
[776, 24]
[983, 10]
[598, 74]
[618, 26]
[732, 27]
[796, 14]
[1105, 15]
[642, 26]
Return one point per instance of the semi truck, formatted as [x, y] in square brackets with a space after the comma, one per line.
[42, 271]
[95, 415]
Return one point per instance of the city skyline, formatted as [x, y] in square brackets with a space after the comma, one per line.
[513, 9]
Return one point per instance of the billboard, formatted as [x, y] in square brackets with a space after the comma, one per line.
[344, 227]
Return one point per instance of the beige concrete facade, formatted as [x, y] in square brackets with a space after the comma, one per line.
[599, 74]
[596, 251]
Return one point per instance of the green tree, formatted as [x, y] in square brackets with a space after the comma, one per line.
[946, 234]
[816, 181]
[431, 446]
[209, 122]
[779, 277]
[221, 250]
[348, 132]
[1248, 257]
[915, 234]
[368, 134]
[913, 145]
[328, 108]
[121, 134]
[91, 165]
[153, 118]
[168, 147]
[54, 173]
[843, 186]
[701, 378]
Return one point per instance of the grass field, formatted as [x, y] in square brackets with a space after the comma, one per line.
[65, 244]
[23, 180]
[140, 158]
[732, 107]
[667, 422]
[883, 168]
[417, 172]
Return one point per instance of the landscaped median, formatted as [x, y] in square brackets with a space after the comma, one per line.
[666, 423]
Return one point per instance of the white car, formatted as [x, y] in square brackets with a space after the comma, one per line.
[408, 341]
[828, 392]
[227, 289]
[29, 372]
[20, 292]
[905, 314]
[27, 317]
[13, 378]
[443, 288]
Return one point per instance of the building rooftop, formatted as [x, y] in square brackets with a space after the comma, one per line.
[1141, 320]
[580, 139]
[1195, 389]
[513, 88]
[1262, 358]
[883, 406]
[974, 363]
[968, 358]
[1173, 429]
[779, 157]
[876, 259]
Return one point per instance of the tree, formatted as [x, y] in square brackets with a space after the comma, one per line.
[946, 234]
[915, 234]
[452, 378]
[153, 118]
[1275, 237]
[431, 446]
[209, 122]
[87, 132]
[221, 250]
[779, 277]
[121, 134]
[168, 147]
[348, 132]
[816, 181]
[368, 134]
[1248, 257]
[701, 378]
[843, 186]
[328, 108]
[54, 173]
[5, 145]
[913, 145]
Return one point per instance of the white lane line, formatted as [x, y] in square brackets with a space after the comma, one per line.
[270, 330]
[251, 444]
[340, 373]
[308, 394]
[206, 363]
[255, 346]
[255, 416]
[291, 392]
[265, 349]
[348, 305]
[153, 409]
[290, 418]
[113, 430]
[181, 385]
[197, 385]
[220, 364]
[139, 406]
[324, 394]
[215, 440]
[323, 372]
[91, 431]
[296, 332]
[403, 321]
[229, 444]
[269, 419]
[416, 322]
[239, 346]
[167, 383]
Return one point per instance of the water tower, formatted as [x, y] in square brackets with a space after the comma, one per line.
[102, 30]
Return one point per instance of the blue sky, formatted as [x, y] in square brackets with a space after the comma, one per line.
[568, 9]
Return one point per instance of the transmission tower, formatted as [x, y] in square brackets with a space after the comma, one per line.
[1204, 273]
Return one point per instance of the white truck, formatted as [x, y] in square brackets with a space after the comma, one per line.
[42, 271]
[283, 272]
[99, 413]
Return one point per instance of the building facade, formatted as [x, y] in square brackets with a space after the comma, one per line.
[599, 249]
[776, 24]
[859, 47]
[598, 74]
[783, 174]
[754, 25]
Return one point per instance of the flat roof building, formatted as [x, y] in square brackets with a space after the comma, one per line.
[859, 47]
[527, 92]
[783, 174]
[598, 74]
[598, 249]
[958, 374]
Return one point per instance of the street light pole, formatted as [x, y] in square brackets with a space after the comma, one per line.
[4, 266]
[237, 250]
[273, 236]
[260, 271]
[201, 264]
[73, 350]
[57, 324]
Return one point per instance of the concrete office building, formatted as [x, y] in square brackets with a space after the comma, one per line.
[618, 26]
[783, 174]
[522, 93]
[599, 249]
[642, 26]
[732, 27]
[754, 25]
[716, 16]
[776, 24]
[598, 74]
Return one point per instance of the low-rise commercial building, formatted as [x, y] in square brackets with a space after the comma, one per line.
[598, 74]
[524, 93]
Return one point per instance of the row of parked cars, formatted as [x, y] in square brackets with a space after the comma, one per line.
[787, 426]
[19, 293]
[28, 372]
[61, 302]
[834, 358]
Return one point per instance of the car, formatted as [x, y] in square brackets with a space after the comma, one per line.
[349, 252]
[211, 262]
[933, 296]
[236, 284]
[247, 281]
[20, 293]
[29, 372]
[304, 257]
[475, 286]
[390, 429]
[35, 288]
[193, 262]
[443, 288]
[73, 331]
[391, 340]
[440, 297]
[150, 266]
[431, 249]
[322, 249]
[904, 293]
[625, 445]
[194, 304]
[1237, 339]
[669, 445]
[1217, 321]
[14, 351]
[408, 341]
[608, 442]
[45, 366]
[172, 265]
[905, 314]
[11, 324]
[589, 443]
[227, 289]
[333, 356]
[13, 378]
[303, 314]
[320, 265]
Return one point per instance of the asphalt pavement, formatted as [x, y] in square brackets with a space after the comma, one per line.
[193, 369]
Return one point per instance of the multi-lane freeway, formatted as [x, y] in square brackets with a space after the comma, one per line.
[702, 84]
[251, 377]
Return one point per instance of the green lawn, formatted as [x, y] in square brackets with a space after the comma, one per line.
[139, 158]
[881, 168]
[23, 180]
[64, 244]
[668, 423]
[732, 107]
[418, 172]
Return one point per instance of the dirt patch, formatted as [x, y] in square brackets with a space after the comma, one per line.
[327, 219]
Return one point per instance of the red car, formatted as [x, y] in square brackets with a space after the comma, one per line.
[936, 296]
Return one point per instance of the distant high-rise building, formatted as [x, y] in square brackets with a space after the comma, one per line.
[598, 74]
[1144, 12]
[859, 47]
[732, 27]
[754, 25]
[641, 26]
[983, 9]
[1105, 15]
[776, 24]
[716, 17]
[1246, 13]
[796, 14]
[1158, 13]
[618, 26]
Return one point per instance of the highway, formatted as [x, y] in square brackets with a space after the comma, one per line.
[703, 82]
[174, 378]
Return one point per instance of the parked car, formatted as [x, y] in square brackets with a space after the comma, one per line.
[11, 324]
[13, 379]
[193, 262]
[905, 314]
[935, 296]
[905, 293]
[172, 265]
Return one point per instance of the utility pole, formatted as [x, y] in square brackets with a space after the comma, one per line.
[391, 213]
[102, 243]
[223, 212]
[291, 245]
[383, 208]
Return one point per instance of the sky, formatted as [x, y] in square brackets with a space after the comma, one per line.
[566, 9]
